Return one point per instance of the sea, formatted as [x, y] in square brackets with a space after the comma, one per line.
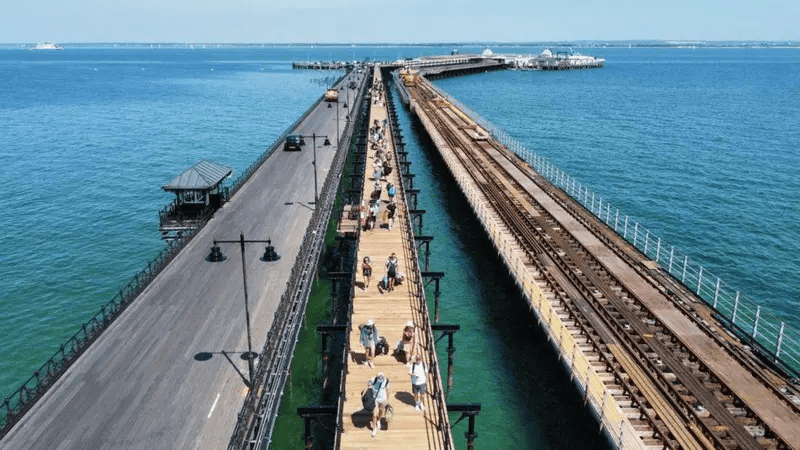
[700, 145]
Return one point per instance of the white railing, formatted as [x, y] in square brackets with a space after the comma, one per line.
[743, 315]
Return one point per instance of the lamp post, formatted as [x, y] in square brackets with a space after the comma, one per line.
[217, 256]
[337, 122]
[314, 162]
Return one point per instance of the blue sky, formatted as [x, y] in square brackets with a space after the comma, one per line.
[407, 21]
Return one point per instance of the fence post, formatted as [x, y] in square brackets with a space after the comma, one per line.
[735, 307]
[716, 293]
[671, 255]
[635, 232]
[700, 281]
[755, 324]
[625, 232]
[658, 249]
[780, 341]
[685, 262]
[616, 220]
[646, 240]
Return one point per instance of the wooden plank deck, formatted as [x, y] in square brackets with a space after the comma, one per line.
[409, 428]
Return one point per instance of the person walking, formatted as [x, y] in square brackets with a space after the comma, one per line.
[418, 371]
[392, 208]
[405, 348]
[368, 338]
[380, 389]
[391, 271]
[366, 271]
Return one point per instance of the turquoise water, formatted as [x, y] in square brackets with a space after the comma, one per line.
[699, 145]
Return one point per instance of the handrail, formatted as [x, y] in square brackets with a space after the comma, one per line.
[746, 318]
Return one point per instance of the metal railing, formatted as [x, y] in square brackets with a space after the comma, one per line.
[752, 322]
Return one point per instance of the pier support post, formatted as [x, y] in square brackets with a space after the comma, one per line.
[327, 331]
[448, 330]
[309, 413]
[435, 276]
[411, 195]
[416, 214]
[468, 410]
[426, 240]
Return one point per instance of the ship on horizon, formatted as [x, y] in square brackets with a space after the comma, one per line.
[46, 46]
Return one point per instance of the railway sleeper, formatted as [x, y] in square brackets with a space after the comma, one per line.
[769, 444]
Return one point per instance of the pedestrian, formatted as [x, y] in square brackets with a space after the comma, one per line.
[380, 389]
[385, 218]
[391, 191]
[373, 214]
[391, 271]
[368, 339]
[418, 371]
[366, 271]
[378, 172]
[407, 343]
[392, 208]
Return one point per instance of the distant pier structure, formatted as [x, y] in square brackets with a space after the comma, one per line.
[547, 60]
[198, 194]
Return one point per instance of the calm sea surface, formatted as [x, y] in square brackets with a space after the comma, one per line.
[700, 145]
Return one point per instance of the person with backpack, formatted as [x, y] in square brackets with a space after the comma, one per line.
[418, 371]
[368, 338]
[391, 271]
[392, 191]
[375, 399]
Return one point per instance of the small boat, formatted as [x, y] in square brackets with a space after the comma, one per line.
[47, 46]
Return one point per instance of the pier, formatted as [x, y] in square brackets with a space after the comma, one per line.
[200, 356]
[391, 311]
[645, 351]
[206, 344]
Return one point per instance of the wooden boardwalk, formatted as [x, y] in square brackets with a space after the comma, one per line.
[409, 428]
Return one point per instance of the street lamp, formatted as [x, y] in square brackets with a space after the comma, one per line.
[337, 122]
[314, 163]
[270, 255]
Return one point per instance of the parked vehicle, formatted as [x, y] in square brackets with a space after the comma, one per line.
[292, 143]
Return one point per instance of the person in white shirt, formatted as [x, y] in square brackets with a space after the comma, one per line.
[418, 371]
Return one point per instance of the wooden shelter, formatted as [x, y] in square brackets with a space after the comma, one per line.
[198, 194]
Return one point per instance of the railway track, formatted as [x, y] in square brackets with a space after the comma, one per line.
[685, 403]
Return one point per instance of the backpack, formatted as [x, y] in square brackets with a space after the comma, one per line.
[391, 191]
[368, 399]
[392, 268]
[367, 331]
[382, 347]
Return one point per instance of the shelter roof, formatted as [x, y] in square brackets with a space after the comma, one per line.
[203, 175]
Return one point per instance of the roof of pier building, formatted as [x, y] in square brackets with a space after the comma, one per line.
[204, 175]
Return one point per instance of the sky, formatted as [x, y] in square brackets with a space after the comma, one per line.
[408, 21]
